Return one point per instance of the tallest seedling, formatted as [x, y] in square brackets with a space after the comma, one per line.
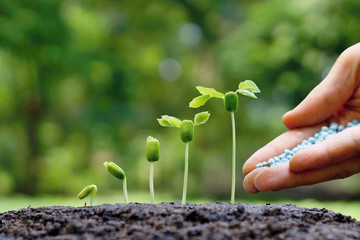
[231, 101]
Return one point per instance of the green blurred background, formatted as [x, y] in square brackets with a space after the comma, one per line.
[82, 82]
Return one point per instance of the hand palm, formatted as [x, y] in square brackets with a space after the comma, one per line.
[336, 99]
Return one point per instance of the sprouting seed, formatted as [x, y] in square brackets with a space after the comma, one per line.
[89, 190]
[117, 172]
[152, 155]
[247, 88]
[186, 135]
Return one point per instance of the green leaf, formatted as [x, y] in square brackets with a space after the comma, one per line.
[211, 91]
[201, 118]
[246, 93]
[169, 121]
[163, 122]
[249, 86]
[199, 101]
[175, 122]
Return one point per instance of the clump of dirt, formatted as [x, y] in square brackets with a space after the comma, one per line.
[176, 221]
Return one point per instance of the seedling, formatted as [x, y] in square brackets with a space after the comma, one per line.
[152, 155]
[117, 172]
[186, 134]
[89, 190]
[231, 101]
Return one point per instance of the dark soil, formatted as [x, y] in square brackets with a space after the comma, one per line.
[176, 221]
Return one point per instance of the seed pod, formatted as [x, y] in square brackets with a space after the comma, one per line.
[115, 170]
[152, 149]
[87, 191]
[187, 131]
[231, 101]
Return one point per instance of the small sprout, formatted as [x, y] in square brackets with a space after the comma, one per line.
[152, 149]
[231, 101]
[152, 155]
[117, 172]
[89, 190]
[187, 132]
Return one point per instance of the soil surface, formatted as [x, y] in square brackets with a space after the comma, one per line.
[176, 221]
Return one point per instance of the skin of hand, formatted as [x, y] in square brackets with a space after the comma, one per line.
[335, 99]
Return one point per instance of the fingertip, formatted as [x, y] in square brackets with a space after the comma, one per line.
[250, 164]
[248, 182]
[272, 178]
[247, 168]
[289, 119]
[249, 186]
[295, 164]
[261, 155]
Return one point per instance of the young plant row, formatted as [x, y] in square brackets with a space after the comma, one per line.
[231, 101]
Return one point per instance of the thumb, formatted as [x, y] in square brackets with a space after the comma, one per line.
[330, 95]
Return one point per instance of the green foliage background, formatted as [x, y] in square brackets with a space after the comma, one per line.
[80, 85]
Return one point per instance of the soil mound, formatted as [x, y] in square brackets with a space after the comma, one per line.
[176, 221]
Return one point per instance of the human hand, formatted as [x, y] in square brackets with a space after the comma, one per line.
[335, 99]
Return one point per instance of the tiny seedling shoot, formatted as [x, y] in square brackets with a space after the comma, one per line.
[186, 134]
[231, 101]
[117, 172]
[89, 190]
[152, 155]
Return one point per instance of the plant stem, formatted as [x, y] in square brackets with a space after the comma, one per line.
[185, 173]
[93, 195]
[151, 182]
[125, 191]
[91, 200]
[233, 159]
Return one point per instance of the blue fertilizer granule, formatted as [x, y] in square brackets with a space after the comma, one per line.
[324, 133]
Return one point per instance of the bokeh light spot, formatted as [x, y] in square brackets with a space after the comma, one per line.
[170, 69]
[190, 34]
